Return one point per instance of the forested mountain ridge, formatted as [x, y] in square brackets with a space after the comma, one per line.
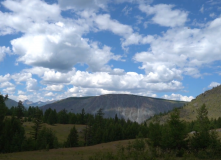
[135, 108]
[10, 102]
[211, 98]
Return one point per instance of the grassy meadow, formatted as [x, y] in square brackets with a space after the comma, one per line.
[79, 153]
[61, 130]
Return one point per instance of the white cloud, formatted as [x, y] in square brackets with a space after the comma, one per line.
[5, 78]
[21, 19]
[202, 9]
[6, 84]
[3, 51]
[32, 85]
[22, 97]
[213, 84]
[126, 10]
[83, 4]
[104, 22]
[53, 77]
[54, 87]
[49, 94]
[178, 97]
[21, 77]
[21, 92]
[164, 15]
[183, 50]
[9, 90]
[212, 15]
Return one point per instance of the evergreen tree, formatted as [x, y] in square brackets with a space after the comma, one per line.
[12, 136]
[2, 117]
[52, 118]
[46, 115]
[20, 110]
[46, 139]
[203, 138]
[37, 125]
[82, 117]
[63, 117]
[72, 140]
[174, 132]
[155, 134]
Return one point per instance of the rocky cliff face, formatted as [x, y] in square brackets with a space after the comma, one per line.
[135, 108]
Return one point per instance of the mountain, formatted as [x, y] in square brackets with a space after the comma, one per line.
[9, 103]
[28, 103]
[135, 108]
[212, 100]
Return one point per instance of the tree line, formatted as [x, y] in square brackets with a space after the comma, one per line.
[172, 137]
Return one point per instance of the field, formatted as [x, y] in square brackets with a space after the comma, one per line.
[61, 130]
[80, 153]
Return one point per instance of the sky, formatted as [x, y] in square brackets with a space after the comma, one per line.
[50, 50]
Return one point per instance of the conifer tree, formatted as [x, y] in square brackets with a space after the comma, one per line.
[174, 132]
[203, 138]
[72, 140]
[37, 125]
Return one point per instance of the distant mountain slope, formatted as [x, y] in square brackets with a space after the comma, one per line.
[135, 108]
[28, 103]
[212, 100]
[9, 103]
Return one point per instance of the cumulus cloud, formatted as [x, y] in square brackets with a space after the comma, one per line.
[213, 84]
[178, 97]
[183, 51]
[6, 84]
[49, 94]
[164, 15]
[21, 77]
[32, 85]
[5, 78]
[83, 4]
[9, 90]
[3, 51]
[54, 87]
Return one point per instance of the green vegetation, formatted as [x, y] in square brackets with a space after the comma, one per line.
[171, 139]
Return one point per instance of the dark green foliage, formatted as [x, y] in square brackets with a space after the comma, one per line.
[72, 140]
[46, 139]
[82, 117]
[63, 117]
[155, 134]
[52, 118]
[37, 124]
[174, 133]
[2, 112]
[12, 136]
[204, 139]
[20, 110]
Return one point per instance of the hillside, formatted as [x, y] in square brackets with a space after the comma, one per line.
[212, 100]
[135, 108]
[9, 103]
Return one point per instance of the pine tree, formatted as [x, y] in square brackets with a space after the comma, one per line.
[82, 117]
[174, 133]
[37, 125]
[2, 117]
[20, 110]
[72, 140]
[204, 139]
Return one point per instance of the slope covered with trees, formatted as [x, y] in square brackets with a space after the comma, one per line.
[132, 107]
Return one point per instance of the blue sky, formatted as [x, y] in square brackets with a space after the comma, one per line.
[51, 50]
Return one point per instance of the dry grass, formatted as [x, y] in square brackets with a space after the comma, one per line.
[80, 153]
[60, 130]
[212, 100]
